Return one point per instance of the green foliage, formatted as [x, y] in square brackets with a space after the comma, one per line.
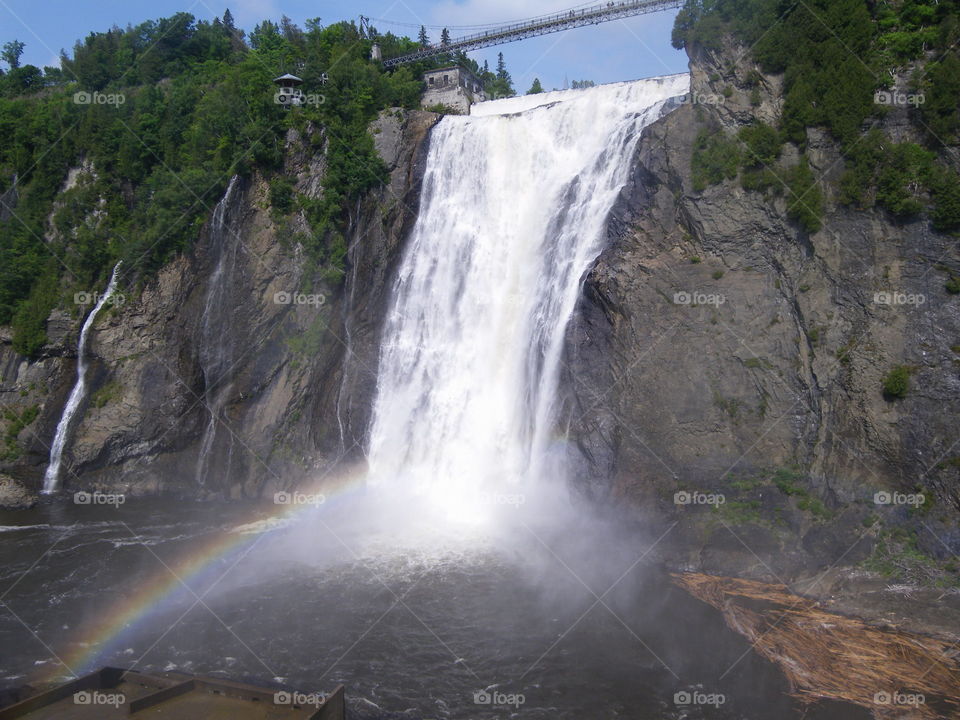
[499, 84]
[944, 187]
[11, 53]
[786, 480]
[896, 383]
[17, 421]
[197, 108]
[715, 158]
[833, 55]
[897, 555]
[536, 88]
[763, 145]
[804, 198]
[281, 194]
[762, 150]
[106, 394]
[30, 320]
[900, 182]
[310, 341]
[941, 90]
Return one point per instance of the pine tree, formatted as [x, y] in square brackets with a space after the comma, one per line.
[423, 38]
[228, 19]
[535, 88]
[503, 85]
[445, 37]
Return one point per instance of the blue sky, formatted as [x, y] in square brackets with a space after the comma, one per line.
[619, 50]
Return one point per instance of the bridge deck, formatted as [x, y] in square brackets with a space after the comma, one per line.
[544, 25]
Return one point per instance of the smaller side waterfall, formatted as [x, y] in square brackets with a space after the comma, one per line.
[215, 344]
[79, 391]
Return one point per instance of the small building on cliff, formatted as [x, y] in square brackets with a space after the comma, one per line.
[455, 87]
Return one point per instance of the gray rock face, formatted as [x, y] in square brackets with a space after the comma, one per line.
[719, 348]
[293, 399]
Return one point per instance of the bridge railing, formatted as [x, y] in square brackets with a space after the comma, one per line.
[594, 14]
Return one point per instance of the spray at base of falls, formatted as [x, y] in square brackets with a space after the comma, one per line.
[513, 212]
[52, 475]
[215, 347]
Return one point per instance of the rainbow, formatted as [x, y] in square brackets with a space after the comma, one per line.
[117, 624]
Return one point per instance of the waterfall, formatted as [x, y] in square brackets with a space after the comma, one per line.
[215, 344]
[78, 393]
[513, 214]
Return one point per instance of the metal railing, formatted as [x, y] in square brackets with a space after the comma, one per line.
[594, 15]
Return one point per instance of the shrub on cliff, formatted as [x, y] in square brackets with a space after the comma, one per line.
[804, 198]
[715, 158]
[896, 383]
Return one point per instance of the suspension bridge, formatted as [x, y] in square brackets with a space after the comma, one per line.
[543, 25]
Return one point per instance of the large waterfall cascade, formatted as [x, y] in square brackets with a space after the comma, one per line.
[512, 216]
[215, 346]
[78, 393]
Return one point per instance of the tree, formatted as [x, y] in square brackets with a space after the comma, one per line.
[228, 20]
[11, 53]
[502, 84]
[445, 37]
[535, 88]
[423, 38]
[290, 30]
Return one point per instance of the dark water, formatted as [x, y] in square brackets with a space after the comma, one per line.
[412, 628]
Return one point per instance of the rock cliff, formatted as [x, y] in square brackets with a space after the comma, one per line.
[723, 355]
[238, 357]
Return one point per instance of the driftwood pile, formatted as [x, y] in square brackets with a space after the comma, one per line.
[895, 674]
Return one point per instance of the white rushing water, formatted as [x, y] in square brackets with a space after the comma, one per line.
[216, 350]
[51, 477]
[512, 215]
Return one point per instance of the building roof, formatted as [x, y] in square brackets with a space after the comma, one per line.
[288, 78]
